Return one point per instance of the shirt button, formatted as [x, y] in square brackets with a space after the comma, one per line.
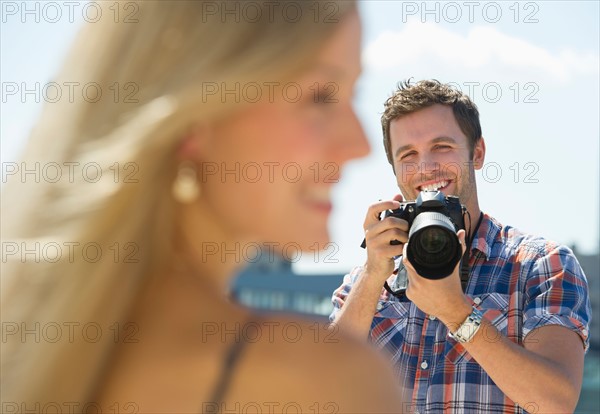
[477, 301]
[584, 332]
[379, 306]
[424, 365]
[431, 318]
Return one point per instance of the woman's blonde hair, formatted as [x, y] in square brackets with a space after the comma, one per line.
[77, 248]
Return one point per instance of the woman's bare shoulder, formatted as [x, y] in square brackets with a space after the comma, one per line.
[313, 367]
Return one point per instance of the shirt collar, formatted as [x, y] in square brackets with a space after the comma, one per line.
[486, 234]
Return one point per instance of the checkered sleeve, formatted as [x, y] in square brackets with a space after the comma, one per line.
[557, 294]
[340, 294]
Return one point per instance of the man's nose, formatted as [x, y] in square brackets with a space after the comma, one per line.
[428, 164]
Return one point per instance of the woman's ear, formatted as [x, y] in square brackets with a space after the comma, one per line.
[194, 144]
[479, 154]
[191, 150]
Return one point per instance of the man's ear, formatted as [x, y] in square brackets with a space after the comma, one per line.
[479, 154]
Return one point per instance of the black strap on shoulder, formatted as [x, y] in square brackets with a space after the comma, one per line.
[231, 359]
[464, 266]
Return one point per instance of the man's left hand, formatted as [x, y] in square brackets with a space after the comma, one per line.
[442, 298]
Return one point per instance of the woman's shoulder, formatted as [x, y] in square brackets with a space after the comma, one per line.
[312, 367]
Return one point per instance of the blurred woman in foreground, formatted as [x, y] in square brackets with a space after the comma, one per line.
[137, 291]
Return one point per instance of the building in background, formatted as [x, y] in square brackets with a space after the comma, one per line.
[271, 284]
[591, 266]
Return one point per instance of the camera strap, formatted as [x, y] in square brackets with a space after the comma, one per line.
[464, 265]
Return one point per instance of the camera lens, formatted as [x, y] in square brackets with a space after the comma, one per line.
[433, 240]
[433, 248]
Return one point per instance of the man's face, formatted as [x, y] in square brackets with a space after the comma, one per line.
[431, 152]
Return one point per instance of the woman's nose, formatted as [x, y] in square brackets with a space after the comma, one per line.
[352, 141]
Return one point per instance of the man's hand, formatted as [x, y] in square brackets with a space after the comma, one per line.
[379, 234]
[442, 298]
[357, 313]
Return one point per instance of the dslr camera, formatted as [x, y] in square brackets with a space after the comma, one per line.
[433, 219]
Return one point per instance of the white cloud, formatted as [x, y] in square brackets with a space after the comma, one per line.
[482, 48]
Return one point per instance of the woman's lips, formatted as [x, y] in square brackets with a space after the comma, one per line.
[324, 207]
[319, 199]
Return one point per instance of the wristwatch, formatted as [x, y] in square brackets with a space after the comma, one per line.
[469, 327]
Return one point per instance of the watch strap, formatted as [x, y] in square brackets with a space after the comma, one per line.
[469, 327]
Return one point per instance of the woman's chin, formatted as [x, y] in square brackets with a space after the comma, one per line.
[304, 241]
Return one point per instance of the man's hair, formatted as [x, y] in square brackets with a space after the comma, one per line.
[410, 98]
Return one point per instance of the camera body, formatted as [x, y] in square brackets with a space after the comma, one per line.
[431, 201]
[433, 246]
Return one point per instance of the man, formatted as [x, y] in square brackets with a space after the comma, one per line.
[514, 340]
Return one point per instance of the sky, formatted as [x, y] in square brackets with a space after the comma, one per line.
[532, 68]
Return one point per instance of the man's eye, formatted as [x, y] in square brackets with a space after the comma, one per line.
[442, 147]
[406, 155]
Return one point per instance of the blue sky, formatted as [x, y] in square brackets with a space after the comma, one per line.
[531, 67]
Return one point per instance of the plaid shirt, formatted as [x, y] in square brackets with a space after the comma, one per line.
[518, 281]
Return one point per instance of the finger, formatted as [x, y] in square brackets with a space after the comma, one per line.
[389, 223]
[411, 273]
[385, 240]
[405, 261]
[398, 197]
[375, 210]
[461, 238]
[390, 251]
[387, 231]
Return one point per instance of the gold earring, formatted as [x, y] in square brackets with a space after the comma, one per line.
[185, 187]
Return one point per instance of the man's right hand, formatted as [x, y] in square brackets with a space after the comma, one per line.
[379, 234]
[357, 312]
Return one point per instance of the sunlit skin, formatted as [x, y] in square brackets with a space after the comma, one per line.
[429, 147]
[301, 148]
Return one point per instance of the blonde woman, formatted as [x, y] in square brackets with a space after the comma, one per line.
[121, 306]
